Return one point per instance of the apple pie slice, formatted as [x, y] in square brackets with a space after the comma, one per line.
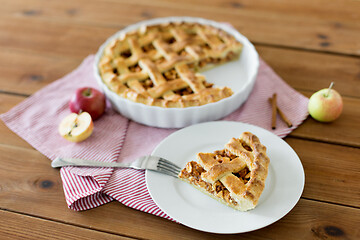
[235, 176]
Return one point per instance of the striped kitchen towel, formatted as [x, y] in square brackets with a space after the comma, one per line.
[116, 138]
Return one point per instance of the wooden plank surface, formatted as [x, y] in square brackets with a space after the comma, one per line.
[36, 228]
[312, 71]
[308, 219]
[317, 25]
[345, 130]
[35, 189]
[308, 43]
[51, 38]
[331, 171]
[25, 73]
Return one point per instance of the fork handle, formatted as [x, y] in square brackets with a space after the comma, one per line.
[62, 162]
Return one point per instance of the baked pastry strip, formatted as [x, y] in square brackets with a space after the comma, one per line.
[235, 175]
[151, 52]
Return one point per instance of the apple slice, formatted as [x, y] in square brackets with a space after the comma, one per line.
[76, 127]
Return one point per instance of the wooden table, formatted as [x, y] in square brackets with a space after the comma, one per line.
[308, 43]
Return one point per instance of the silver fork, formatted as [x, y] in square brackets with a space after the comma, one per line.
[157, 164]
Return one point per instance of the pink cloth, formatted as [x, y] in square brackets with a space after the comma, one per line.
[36, 120]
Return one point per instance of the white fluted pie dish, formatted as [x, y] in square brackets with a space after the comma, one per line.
[239, 75]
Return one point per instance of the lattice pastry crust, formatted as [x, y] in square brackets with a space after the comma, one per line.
[159, 65]
[235, 175]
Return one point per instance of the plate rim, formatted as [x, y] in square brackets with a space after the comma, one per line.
[285, 212]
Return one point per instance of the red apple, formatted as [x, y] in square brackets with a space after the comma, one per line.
[325, 105]
[87, 99]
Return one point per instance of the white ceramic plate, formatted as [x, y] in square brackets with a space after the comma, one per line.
[187, 205]
[239, 75]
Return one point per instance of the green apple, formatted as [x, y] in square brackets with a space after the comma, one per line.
[325, 105]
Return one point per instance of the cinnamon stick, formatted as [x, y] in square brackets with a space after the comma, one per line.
[274, 109]
[282, 115]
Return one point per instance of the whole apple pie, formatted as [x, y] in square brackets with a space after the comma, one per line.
[159, 65]
[235, 175]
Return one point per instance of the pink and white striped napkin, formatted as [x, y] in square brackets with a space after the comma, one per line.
[116, 138]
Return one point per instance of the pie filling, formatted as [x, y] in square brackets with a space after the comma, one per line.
[217, 61]
[192, 172]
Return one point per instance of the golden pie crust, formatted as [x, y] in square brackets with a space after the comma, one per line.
[159, 65]
[234, 175]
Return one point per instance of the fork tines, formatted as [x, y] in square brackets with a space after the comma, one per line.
[168, 167]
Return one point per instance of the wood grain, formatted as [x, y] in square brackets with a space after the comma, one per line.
[308, 43]
[29, 185]
[332, 27]
[36, 228]
[51, 38]
[344, 130]
[26, 73]
[331, 171]
[313, 220]
[312, 71]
